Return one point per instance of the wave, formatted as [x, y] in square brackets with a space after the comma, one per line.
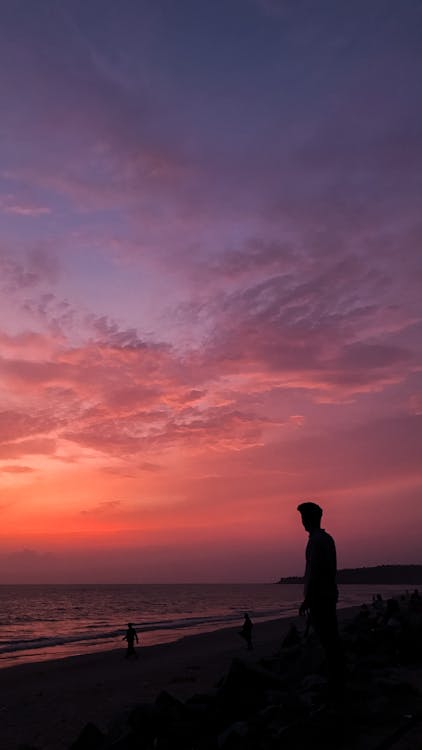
[29, 644]
[85, 637]
[187, 622]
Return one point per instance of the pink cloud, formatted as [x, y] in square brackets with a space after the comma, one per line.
[28, 345]
[14, 275]
[26, 210]
[37, 268]
[105, 507]
[371, 453]
[36, 446]
[16, 425]
[121, 394]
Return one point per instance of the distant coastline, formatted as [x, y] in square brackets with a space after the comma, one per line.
[394, 574]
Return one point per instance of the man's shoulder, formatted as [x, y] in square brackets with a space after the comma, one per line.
[321, 537]
[329, 540]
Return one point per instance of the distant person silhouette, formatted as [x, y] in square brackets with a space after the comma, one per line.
[131, 636]
[378, 605]
[246, 631]
[321, 593]
[415, 602]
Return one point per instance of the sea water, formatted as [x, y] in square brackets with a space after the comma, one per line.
[41, 622]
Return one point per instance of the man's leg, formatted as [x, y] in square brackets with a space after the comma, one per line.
[324, 622]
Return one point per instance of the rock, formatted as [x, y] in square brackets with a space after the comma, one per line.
[267, 714]
[200, 699]
[290, 663]
[328, 728]
[243, 690]
[232, 734]
[292, 638]
[117, 727]
[309, 660]
[200, 712]
[313, 683]
[378, 710]
[91, 738]
[144, 719]
[241, 675]
[126, 741]
[396, 688]
[294, 707]
[134, 729]
[274, 697]
[177, 725]
[169, 707]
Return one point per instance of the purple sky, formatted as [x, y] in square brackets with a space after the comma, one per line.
[210, 285]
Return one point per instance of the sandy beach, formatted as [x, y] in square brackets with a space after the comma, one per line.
[46, 704]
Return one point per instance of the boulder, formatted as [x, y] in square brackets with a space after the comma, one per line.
[90, 738]
[144, 719]
[243, 690]
[168, 707]
[292, 638]
[126, 741]
[232, 735]
[313, 683]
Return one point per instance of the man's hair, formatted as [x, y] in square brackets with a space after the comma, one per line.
[310, 511]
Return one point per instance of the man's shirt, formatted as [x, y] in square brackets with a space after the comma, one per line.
[321, 567]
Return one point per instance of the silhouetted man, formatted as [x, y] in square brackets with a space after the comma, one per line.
[131, 636]
[321, 591]
[246, 631]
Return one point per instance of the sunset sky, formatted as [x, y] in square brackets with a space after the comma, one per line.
[210, 277]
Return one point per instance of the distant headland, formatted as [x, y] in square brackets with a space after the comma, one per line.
[394, 574]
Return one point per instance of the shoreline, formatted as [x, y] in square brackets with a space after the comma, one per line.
[46, 704]
[65, 643]
[171, 636]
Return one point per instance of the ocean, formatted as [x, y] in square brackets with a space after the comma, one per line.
[42, 622]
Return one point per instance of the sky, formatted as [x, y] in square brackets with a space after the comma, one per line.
[210, 286]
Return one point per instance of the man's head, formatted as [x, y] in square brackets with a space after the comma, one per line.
[311, 515]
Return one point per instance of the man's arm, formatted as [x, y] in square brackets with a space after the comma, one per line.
[312, 576]
[304, 608]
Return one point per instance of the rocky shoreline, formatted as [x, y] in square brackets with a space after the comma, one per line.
[281, 700]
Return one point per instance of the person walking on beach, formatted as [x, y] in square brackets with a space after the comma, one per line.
[131, 636]
[321, 593]
[246, 631]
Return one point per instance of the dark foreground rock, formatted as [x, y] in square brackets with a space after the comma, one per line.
[91, 738]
